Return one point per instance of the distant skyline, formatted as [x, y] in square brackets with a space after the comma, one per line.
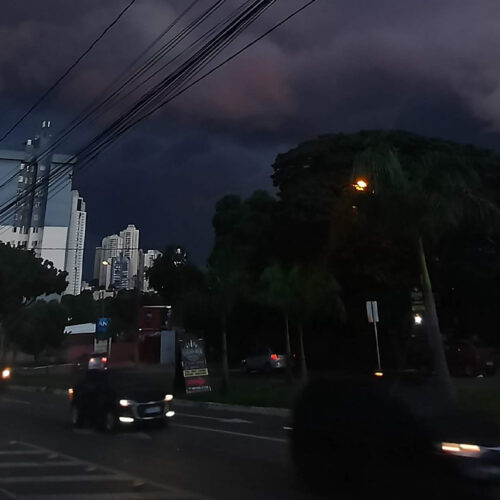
[342, 66]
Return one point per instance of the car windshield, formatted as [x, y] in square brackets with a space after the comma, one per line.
[249, 249]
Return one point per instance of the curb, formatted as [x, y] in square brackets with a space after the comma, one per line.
[32, 388]
[257, 410]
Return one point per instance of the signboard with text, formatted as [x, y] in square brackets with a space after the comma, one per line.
[194, 365]
[102, 328]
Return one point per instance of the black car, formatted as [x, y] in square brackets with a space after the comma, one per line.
[373, 438]
[110, 399]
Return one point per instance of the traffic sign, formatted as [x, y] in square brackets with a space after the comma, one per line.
[102, 327]
[372, 311]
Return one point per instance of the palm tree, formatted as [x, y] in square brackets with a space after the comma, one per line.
[278, 293]
[423, 201]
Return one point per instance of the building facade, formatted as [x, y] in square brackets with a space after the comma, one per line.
[39, 215]
[76, 244]
[130, 237]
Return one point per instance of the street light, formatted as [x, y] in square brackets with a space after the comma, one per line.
[105, 263]
[360, 185]
[418, 319]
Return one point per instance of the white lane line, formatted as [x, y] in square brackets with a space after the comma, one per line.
[8, 494]
[232, 433]
[62, 479]
[17, 401]
[224, 420]
[158, 495]
[24, 452]
[165, 492]
[4, 465]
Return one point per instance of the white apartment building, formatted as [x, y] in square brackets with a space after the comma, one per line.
[130, 238]
[42, 215]
[111, 247]
[76, 244]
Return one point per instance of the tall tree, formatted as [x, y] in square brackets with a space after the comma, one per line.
[315, 290]
[172, 275]
[226, 281]
[41, 326]
[278, 292]
[423, 202]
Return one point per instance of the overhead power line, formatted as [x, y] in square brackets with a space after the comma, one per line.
[67, 72]
[169, 88]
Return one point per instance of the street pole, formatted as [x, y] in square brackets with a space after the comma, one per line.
[376, 343]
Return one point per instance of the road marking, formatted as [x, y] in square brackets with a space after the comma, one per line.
[158, 495]
[165, 491]
[62, 479]
[4, 465]
[25, 452]
[232, 433]
[17, 401]
[225, 420]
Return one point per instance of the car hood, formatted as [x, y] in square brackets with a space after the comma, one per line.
[141, 395]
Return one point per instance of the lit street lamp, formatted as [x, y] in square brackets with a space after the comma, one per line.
[418, 319]
[360, 185]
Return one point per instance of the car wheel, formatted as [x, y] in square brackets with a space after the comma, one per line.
[76, 416]
[110, 422]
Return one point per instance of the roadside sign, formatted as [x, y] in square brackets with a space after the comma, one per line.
[372, 311]
[417, 300]
[194, 365]
[102, 327]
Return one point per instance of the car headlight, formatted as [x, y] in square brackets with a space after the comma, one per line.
[461, 449]
[6, 373]
[169, 397]
[126, 402]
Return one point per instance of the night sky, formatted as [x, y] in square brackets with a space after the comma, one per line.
[428, 66]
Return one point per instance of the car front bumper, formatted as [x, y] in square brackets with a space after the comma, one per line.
[146, 412]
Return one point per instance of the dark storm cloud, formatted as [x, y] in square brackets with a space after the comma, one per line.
[428, 66]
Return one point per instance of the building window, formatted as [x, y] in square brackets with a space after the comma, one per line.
[35, 217]
[14, 229]
[35, 230]
[41, 168]
[21, 178]
[34, 244]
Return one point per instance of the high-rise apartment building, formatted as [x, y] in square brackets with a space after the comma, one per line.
[111, 246]
[126, 245]
[76, 244]
[44, 217]
[130, 238]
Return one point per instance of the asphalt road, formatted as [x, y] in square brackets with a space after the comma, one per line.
[204, 453]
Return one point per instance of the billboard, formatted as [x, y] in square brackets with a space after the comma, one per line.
[194, 364]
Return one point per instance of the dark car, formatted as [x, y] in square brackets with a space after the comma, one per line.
[363, 439]
[109, 399]
[263, 359]
[469, 358]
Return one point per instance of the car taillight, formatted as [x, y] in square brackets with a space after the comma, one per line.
[104, 359]
[71, 392]
[274, 357]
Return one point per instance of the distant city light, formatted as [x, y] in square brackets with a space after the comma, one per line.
[418, 319]
[379, 374]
